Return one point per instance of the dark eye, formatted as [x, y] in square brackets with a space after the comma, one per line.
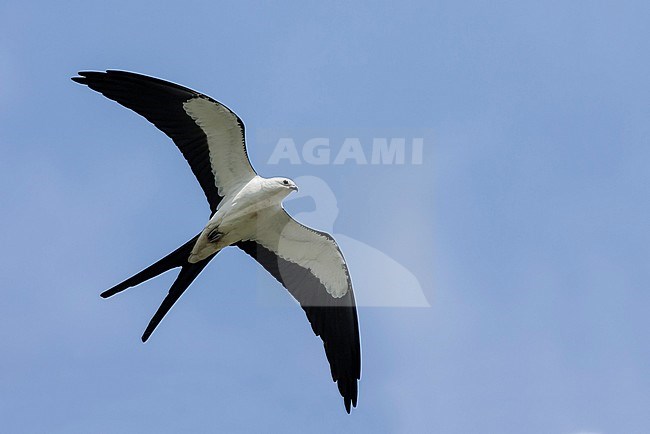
[285, 182]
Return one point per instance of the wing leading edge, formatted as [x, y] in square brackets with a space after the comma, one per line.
[208, 134]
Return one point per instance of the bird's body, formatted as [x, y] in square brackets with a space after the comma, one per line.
[246, 212]
[242, 214]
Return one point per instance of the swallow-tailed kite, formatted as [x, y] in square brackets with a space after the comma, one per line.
[246, 211]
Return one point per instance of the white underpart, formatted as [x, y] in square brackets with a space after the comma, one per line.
[235, 217]
[254, 212]
[228, 160]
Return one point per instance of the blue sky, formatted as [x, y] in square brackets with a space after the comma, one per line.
[526, 225]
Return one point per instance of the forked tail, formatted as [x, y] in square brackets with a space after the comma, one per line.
[177, 258]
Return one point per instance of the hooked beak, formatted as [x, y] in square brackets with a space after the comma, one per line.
[294, 187]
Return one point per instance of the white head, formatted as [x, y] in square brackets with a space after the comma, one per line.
[281, 186]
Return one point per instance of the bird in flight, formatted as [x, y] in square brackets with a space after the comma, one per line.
[246, 212]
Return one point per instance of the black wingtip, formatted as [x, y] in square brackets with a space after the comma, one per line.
[82, 77]
[114, 290]
[145, 337]
[85, 77]
[349, 392]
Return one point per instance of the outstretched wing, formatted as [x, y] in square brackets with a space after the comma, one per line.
[209, 135]
[310, 265]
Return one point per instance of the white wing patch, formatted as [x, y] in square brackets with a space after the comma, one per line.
[228, 159]
[305, 247]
